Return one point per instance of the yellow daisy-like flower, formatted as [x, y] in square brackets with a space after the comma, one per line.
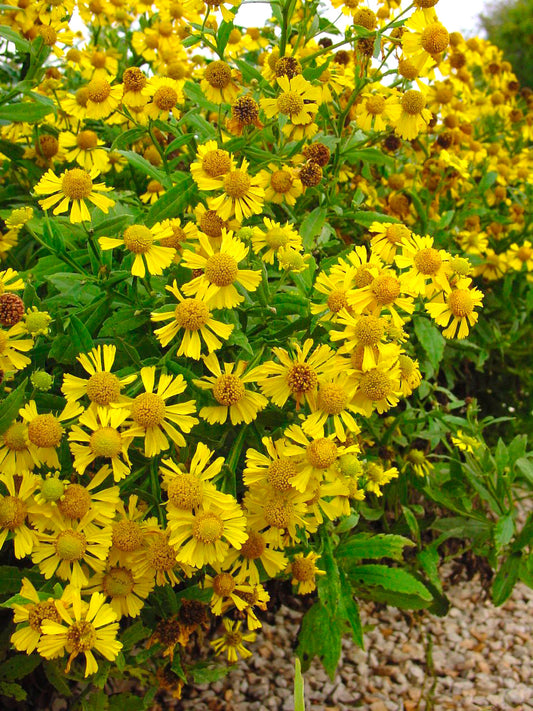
[298, 101]
[71, 547]
[454, 308]
[210, 165]
[188, 489]
[425, 264]
[14, 509]
[225, 589]
[408, 114]
[218, 83]
[103, 387]
[30, 615]
[275, 237]
[105, 440]
[426, 38]
[281, 515]
[158, 558]
[11, 346]
[85, 148]
[232, 641]
[165, 94]
[45, 431]
[255, 555]
[194, 317]
[102, 98]
[304, 571]
[243, 194]
[465, 442]
[410, 377]
[133, 83]
[154, 190]
[84, 627]
[128, 532]
[18, 217]
[141, 242]
[378, 388]
[296, 375]
[333, 401]
[282, 185]
[74, 185]
[153, 419]
[335, 286]
[361, 331]
[372, 112]
[377, 476]
[229, 390]
[126, 588]
[387, 239]
[203, 536]
[518, 256]
[216, 286]
[384, 293]
[17, 453]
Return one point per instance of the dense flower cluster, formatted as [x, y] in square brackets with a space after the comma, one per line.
[266, 216]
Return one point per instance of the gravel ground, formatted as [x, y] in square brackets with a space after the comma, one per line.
[481, 661]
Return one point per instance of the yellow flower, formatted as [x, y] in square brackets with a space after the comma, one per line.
[377, 476]
[256, 551]
[296, 375]
[298, 100]
[225, 592]
[105, 440]
[17, 453]
[304, 571]
[408, 114]
[243, 194]
[384, 293]
[194, 317]
[387, 238]
[84, 627]
[426, 39]
[126, 588]
[188, 488]
[216, 286]
[154, 190]
[30, 615]
[454, 308]
[84, 148]
[14, 509]
[282, 185]
[228, 389]
[153, 419]
[425, 264]
[372, 112]
[218, 83]
[141, 241]
[275, 237]
[71, 544]
[203, 536]
[76, 185]
[165, 93]
[45, 431]
[282, 516]
[232, 641]
[333, 401]
[378, 388]
[10, 346]
[465, 442]
[274, 469]
[102, 387]
[133, 83]
[210, 165]
[102, 98]
[158, 558]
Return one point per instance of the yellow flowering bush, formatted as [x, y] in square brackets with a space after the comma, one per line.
[248, 279]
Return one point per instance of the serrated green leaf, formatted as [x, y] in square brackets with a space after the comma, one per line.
[321, 636]
[312, 225]
[18, 666]
[505, 579]
[12, 691]
[391, 579]
[174, 202]
[430, 339]
[503, 530]
[381, 545]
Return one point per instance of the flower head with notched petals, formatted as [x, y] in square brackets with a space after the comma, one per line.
[141, 241]
[84, 627]
[193, 316]
[243, 194]
[76, 185]
[454, 308]
[216, 286]
[153, 419]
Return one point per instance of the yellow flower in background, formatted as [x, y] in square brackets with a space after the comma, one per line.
[193, 316]
[377, 476]
[275, 237]
[102, 98]
[125, 587]
[74, 185]
[221, 272]
[232, 641]
[165, 94]
[84, 627]
[219, 83]
[210, 165]
[14, 508]
[298, 100]
[425, 264]
[408, 114]
[282, 185]
[426, 39]
[228, 388]
[141, 241]
[29, 616]
[153, 419]
[85, 149]
[303, 570]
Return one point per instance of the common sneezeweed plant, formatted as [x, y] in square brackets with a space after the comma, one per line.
[231, 264]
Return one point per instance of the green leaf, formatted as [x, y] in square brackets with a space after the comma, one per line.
[12, 691]
[96, 701]
[145, 167]
[525, 467]
[134, 634]
[504, 530]
[391, 579]
[126, 138]
[430, 339]
[222, 35]
[321, 636]
[369, 156]
[525, 570]
[367, 217]
[505, 579]
[18, 666]
[122, 321]
[53, 236]
[81, 338]
[350, 610]
[487, 181]
[174, 202]
[299, 697]
[366, 545]
[9, 34]
[25, 112]
[56, 676]
[9, 408]
[312, 225]
[411, 522]
[429, 559]
[204, 673]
